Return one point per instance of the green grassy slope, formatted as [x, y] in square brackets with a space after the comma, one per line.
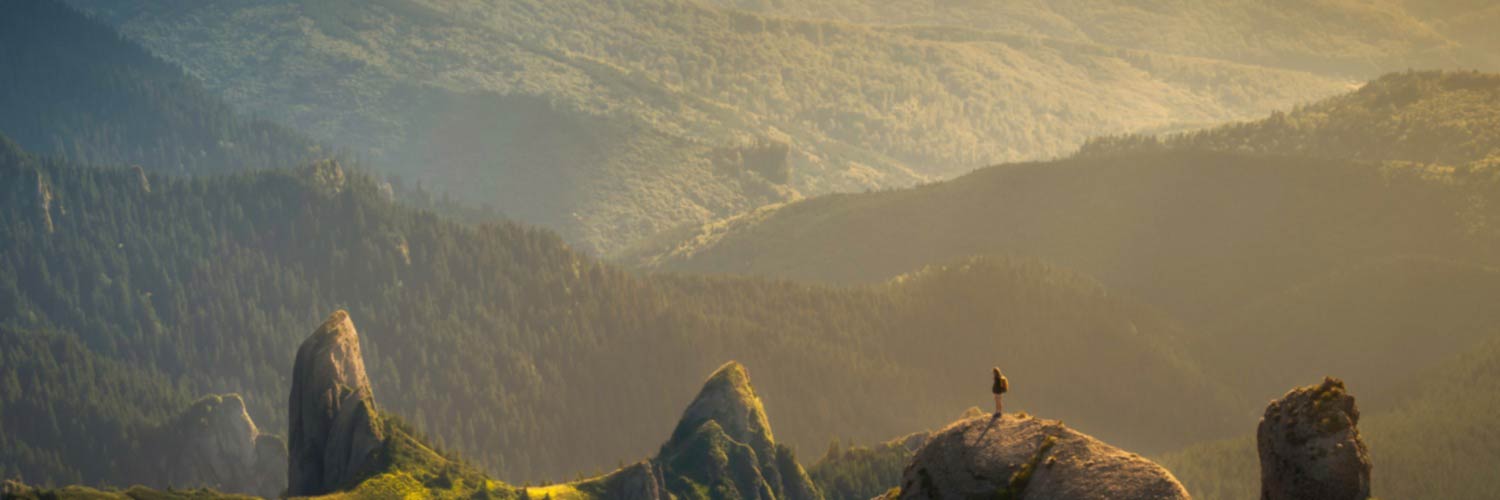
[209, 283]
[407, 466]
[1439, 442]
[76, 89]
[860, 107]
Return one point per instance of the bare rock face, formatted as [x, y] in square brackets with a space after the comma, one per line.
[1021, 457]
[334, 434]
[216, 444]
[1310, 446]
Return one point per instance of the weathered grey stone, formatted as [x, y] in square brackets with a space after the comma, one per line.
[1310, 446]
[335, 433]
[214, 443]
[1029, 458]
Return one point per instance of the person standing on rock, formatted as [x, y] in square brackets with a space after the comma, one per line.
[1001, 385]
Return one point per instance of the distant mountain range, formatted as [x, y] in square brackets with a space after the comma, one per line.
[1284, 258]
[1356, 38]
[611, 122]
[162, 244]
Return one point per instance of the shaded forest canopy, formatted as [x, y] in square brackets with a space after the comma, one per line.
[78, 90]
[207, 284]
[1359, 234]
[636, 98]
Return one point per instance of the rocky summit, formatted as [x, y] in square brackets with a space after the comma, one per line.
[215, 443]
[1310, 447]
[723, 446]
[334, 434]
[1020, 457]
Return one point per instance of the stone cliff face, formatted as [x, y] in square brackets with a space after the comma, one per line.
[216, 444]
[1310, 447]
[1021, 457]
[723, 444]
[334, 432]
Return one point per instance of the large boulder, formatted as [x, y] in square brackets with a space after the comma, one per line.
[335, 434]
[1019, 457]
[214, 443]
[1310, 446]
[723, 446]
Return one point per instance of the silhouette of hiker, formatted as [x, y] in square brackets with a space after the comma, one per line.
[1001, 385]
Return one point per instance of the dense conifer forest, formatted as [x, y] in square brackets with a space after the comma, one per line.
[207, 284]
[166, 238]
[75, 89]
[603, 121]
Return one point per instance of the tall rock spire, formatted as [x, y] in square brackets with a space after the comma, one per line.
[335, 435]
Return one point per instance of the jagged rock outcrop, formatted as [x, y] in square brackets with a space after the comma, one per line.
[214, 443]
[1021, 457]
[1310, 447]
[334, 432]
[641, 481]
[723, 446]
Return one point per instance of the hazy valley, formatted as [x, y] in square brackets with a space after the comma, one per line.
[552, 220]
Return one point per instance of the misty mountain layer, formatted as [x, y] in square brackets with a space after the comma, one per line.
[655, 117]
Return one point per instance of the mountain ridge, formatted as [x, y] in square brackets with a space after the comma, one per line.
[682, 80]
[199, 281]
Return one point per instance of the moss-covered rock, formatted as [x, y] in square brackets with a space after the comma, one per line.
[723, 446]
[1310, 447]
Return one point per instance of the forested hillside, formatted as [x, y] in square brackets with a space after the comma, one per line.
[652, 118]
[1286, 260]
[76, 89]
[1274, 262]
[1179, 219]
[1450, 119]
[1439, 442]
[205, 286]
[1197, 232]
[1376, 324]
[1350, 37]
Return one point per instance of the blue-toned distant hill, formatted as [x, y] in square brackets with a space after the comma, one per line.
[608, 122]
[74, 88]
